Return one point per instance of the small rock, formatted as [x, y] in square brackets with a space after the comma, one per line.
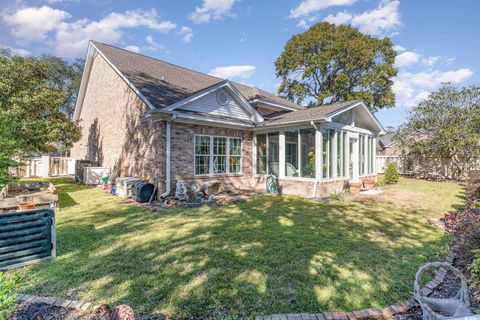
[181, 190]
[103, 311]
[122, 312]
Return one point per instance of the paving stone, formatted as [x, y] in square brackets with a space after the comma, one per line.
[294, 316]
[361, 314]
[328, 315]
[320, 316]
[374, 313]
[258, 318]
[351, 316]
[282, 317]
[387, 313]
[29, 298]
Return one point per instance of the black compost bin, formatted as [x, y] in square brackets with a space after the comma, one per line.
[142, 191]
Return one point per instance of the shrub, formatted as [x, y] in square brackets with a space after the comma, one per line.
[336, 196]
[391, 174]
[7, 296]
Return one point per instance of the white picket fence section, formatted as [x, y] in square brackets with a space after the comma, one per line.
[46, 166]
[383, 161]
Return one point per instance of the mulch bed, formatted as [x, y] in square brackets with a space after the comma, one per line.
[40, 311]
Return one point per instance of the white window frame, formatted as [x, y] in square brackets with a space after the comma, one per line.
[211, 155]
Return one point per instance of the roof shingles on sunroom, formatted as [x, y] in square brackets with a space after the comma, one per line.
[163, 83]
[315, 113]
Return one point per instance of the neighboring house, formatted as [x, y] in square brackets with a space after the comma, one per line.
[387, 146]
[148, 118]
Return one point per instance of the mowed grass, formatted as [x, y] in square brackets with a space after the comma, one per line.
[274, 254]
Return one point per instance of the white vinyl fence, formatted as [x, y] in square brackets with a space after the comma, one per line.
[46, 166]
[428, 167]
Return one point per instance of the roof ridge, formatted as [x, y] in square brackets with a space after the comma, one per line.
[163, 61]
[185, 68]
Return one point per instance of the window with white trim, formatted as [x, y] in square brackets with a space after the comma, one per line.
[235, 153]
[217, 155]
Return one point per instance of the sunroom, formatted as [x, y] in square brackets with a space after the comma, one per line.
[310, 149]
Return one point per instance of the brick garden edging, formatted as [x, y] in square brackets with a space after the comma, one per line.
[385, 313]
[57, 302]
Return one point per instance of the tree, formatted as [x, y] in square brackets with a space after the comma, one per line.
[445, 125]
[391, 175]
[31, 115]
[65, 77]
[330, 63]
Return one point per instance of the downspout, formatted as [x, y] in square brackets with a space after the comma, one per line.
[167, 158]
[314, 191]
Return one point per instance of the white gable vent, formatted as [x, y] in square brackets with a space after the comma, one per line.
[222, 97]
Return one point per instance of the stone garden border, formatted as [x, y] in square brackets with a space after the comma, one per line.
[56, 302]
[365, 314]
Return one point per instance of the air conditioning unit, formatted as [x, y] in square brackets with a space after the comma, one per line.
[124, 186]
[94, 175]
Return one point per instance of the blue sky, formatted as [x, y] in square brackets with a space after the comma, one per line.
[436, 41]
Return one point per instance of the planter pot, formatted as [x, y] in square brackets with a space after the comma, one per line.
[369, 184]
[355, 186]
[26, 206]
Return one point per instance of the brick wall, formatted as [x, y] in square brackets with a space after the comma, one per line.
[182, 155]
[115, 134]
[113, 130]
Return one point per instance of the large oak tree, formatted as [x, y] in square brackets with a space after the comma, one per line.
[32, 115]
[446, 125]
[329, 63]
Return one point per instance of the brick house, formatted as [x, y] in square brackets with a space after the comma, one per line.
[387, 146]
[147, 118]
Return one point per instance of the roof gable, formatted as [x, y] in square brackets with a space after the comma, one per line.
[164, 84]
[205, 101]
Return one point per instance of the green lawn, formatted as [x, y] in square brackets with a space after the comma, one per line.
[271, 255]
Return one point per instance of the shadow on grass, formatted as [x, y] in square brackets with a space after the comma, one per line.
[271, 255]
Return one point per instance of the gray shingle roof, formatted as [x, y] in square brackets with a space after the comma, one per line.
[387, 139]
[308, 114]
[163, 83]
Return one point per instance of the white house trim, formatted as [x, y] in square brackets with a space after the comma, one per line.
[273, 104]
[257, 118]
[330, 116]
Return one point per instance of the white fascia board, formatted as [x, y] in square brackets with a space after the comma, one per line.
[257, 116]
[291, 123]
[84, 82]
[203, 120]
[274, 104]
[142, 97]
[224, 84]
[381, 129]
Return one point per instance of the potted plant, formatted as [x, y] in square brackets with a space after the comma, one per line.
[355, 186]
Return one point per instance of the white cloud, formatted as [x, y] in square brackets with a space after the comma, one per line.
[399, 48]
[212, 9]
[432, 60]
[230, 72]
[33, 23]
[17, 51]
[186, 33]
[380, 20]
[152, 44]
[411, 88]
[406, 58]
[340, 18]
[307, 7]
[70, 39]
[133, 49]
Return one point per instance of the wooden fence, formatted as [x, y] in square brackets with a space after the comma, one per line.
[46, 166]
